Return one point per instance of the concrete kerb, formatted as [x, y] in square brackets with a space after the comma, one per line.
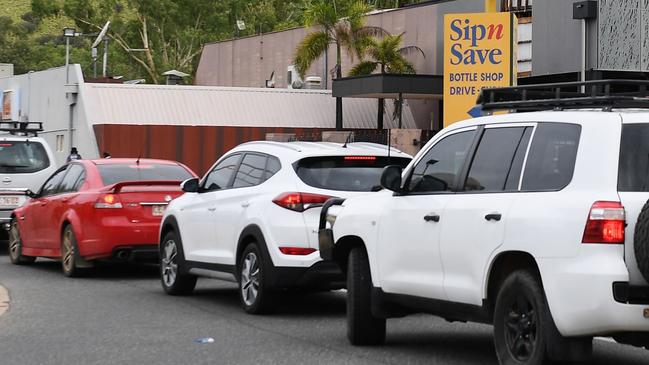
[4, 300]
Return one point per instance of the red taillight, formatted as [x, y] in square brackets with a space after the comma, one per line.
[360, 158]
[300, 202]
[108, 201]
[605, 224]
[296, 251]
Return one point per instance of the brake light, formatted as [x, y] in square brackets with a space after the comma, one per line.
[360, 158]
[300, 202]
[108, 201]
[296, 251]
[605, 224]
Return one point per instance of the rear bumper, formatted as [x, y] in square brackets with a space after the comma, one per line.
[144, 253]
[114, 234]
[321, 275]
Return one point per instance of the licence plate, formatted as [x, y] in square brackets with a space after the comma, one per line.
[158, 210]
[9, 201]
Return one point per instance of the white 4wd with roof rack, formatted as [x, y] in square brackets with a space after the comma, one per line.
[26, 161]
[536, 222]
[254, 216]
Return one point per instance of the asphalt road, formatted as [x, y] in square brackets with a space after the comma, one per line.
[119, 315]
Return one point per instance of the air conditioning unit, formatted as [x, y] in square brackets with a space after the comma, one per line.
[313, 82]
[293, 79]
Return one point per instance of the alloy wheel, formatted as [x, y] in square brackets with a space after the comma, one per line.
[521, 328]
[250, 279]
[68, 251]
[169, 263]
[14, 241]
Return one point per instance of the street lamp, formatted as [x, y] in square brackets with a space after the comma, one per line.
[68, 33]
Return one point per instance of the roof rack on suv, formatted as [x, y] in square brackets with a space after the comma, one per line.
[21, 128]
[606, 94]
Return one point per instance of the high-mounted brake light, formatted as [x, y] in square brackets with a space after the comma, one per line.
[605, 224]
[300, 202]
[360, 158]
[297, 251]
[108, 201]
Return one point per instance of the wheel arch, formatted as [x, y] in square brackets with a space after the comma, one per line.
[168, 225]
[342, 248]
[502, 265]
[252, 233]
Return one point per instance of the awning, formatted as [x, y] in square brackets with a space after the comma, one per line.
[389, 86]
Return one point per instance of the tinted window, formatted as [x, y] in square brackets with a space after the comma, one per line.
[220, 176]
[71, 180]
[52, 184]
[517, 165]
[493, 159]
[114, 173]
[17, 157]
[633, 174]
[251, 171]
[272, 167]
[348, 173]
[551, 160]
[437, 170]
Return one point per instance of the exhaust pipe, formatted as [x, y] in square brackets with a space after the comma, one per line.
[123, 255]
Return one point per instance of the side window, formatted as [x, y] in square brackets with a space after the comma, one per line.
[437, 170]
[272, 167]
[51, 186]
[220, 176]
[551, 160]
[493, 159]
[251, 171]
[71, 179]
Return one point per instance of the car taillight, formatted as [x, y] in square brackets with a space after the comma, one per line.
[108, 201]
[296, 251]
[605, 224]
[300, 202]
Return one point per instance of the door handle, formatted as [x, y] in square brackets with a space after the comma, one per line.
[431, 218]
[211, 209]
[245, 204]
[493, 217]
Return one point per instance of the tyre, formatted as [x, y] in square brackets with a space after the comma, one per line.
[641, 241]
[255, 294]
[362, 327]
[174, 277]
[524, 331]
[70, 253]
[16, 246]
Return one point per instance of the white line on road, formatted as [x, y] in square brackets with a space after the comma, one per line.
[4, 300]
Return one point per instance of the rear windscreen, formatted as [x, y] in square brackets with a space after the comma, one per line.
[633, 173]
[349, 173]
[112, 174]
[20, 157]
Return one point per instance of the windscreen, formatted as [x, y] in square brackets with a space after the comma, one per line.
[113, 173]
[633, 173]
[347, 173]
[20, 157]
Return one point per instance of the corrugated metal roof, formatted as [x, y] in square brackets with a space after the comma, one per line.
[228, 106]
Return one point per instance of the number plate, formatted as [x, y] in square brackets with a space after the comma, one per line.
[9, 201]
[158, 210]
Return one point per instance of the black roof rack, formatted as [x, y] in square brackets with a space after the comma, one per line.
[21, 128]
[605, 94]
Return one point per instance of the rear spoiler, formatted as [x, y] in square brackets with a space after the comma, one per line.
[116, 188]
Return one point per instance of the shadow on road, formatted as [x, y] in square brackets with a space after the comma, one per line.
[102, 271]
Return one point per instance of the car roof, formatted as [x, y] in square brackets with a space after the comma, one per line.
[299, 150]
[121, 161]
[11, 137]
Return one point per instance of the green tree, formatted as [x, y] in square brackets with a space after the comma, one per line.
[340, 23]
[389, 57]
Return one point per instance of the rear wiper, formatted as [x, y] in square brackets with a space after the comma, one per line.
[376, 188]
[10, 165]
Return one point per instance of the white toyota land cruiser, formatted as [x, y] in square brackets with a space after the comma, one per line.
[536, 222]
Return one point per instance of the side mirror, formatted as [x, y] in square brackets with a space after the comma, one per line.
[391, 178]
[190, 185]
[31, 194]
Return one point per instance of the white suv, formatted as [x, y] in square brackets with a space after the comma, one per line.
[536, 222]
[254, 216]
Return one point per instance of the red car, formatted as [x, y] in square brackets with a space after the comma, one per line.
[96, 209]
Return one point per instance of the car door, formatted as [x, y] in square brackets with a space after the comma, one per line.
[38, 217]
[58, 204]
[234, 202]
[409, 260]
[474, 219]
[197, 219]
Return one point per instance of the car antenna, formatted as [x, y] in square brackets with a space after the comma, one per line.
[349, 136]
[137, 162]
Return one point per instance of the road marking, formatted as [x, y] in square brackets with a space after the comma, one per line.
[4, 300]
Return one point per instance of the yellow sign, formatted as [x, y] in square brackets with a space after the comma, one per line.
[479, 52]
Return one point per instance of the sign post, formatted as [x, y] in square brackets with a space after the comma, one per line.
[479, 52]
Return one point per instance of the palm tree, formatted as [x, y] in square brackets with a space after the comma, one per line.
[340, 22]
[390, 58]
